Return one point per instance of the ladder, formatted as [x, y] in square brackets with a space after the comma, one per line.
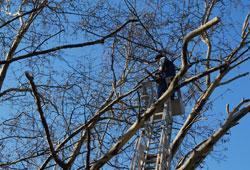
[152, 149]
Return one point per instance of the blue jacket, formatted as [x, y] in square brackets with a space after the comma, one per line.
[167, 68]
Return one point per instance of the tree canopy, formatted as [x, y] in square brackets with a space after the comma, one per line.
[71, 74]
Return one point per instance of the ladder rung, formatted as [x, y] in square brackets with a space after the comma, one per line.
[157, 129]
[157, 120]
[151, 158]
[158, 114]
[160, 109]
[144, 96]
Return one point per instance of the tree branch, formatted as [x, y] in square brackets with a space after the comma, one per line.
[44, 122]
[76, 150]
[89, 125]
[193, 34]
[235, 78]
[224, 69]
[14, 90]
[99, 41]
[195, 113]
[20, 34]
[88, 152]
[200, 154]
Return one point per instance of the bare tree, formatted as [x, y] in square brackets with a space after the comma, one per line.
[72, 71]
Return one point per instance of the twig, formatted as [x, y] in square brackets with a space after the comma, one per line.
[229, 81]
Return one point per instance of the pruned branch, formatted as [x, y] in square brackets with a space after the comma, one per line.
[44, 122]
[236, 109]
[193, 34]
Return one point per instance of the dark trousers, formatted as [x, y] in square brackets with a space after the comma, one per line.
[162, 87]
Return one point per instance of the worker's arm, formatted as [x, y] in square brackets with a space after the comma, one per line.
[161, 64]
[155, 78]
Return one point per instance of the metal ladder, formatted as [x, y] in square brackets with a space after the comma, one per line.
[152, 149]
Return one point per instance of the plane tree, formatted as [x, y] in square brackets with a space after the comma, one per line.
[72, 72]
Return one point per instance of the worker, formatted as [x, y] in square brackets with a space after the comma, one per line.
[166, 71]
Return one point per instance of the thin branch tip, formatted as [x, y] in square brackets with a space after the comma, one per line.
[227, 109]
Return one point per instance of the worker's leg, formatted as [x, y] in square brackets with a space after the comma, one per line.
[162, 87]
[168, 81]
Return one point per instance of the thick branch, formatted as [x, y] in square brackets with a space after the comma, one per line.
[22, 31]
[99, 41]
[44, 122]
[76, 151]
[195, 113]
[200, 154]
[224, 69]
[193, 34]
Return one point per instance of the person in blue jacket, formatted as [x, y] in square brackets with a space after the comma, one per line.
[166, 70]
